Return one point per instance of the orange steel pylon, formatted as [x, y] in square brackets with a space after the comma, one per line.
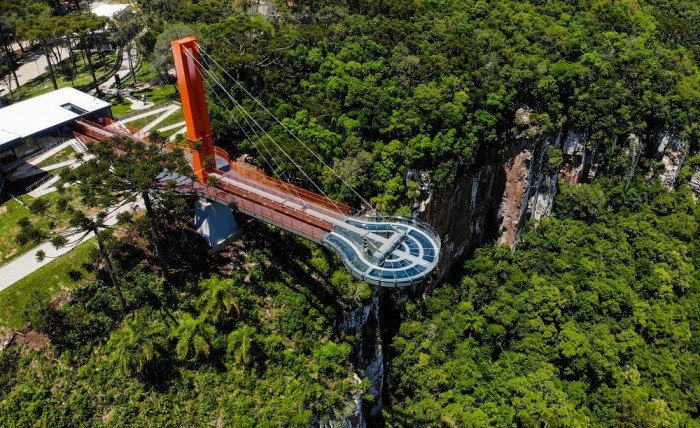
[194, 105]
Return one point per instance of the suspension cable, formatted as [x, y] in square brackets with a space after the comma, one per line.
[332, 202]
[242, 128]
[286, 128]
[252, 128]
[257, 136]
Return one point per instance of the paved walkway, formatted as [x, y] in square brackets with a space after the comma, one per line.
[34, 65]
[161, 118]
[175, 135]
[147, 114]
[47, 154]
[27, 263]
[137, 104]
[179, 125]
[123, 71]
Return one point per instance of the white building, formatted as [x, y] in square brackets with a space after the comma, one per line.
[28, 126]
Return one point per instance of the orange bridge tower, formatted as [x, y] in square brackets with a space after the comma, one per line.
[194, 105]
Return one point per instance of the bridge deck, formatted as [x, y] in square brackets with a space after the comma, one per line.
[394, 252]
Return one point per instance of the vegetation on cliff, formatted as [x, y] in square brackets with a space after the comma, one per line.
[257, 349]
[593, 321]
[377, 88]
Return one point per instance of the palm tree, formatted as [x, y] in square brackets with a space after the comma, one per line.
[219, 299]
[194, 337]
[240, 345]
[135, 345]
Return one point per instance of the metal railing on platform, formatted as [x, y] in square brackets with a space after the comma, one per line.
[41, 182]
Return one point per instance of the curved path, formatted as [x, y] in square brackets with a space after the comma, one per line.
[395, 252]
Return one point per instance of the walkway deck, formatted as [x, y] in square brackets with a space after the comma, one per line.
[388, 252]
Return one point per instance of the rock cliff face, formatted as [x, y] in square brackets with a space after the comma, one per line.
[531, 183]
[364, 322]
[695, 183]
[671, 149]
[464, 212]
[490, 198]
[514, 203]
[494, 196]
[632, 152]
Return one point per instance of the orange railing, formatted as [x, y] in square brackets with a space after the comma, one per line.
[92, 130]
[131, 129]
[263, 202]
[218, 151]
[84, 138]
[259, 176]
[260, 199]
[264, 212]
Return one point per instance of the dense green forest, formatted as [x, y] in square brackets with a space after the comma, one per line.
[593, 321]
[257, 349]
[379, 87]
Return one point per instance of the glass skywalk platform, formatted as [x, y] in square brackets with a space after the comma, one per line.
[388, 252]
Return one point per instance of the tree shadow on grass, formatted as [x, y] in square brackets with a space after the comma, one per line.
[75, 275]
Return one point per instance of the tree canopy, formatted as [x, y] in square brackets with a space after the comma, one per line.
[593, 321]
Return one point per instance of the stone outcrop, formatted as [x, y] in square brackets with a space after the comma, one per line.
[579, 157]
[672, 151]
[492, 197]
[464, 211]
[364, 323]
[632, 152]
[514, 203]
[545, 183]
[695, 183]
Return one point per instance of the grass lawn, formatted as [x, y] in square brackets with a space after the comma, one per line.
[140, 123]
[120, 106]
[42, 84]
[178, 116]
[65, 273]
[66, 154]
[146, 72]
[158, 94]
[13, 211]
[168, 134]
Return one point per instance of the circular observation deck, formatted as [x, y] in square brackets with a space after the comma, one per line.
[388, 252]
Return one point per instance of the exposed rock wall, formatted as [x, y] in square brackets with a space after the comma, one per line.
[531, 183]
[490, 198]
[494, 196]
[695, 183]
[579, 158]
[464, 212]
[514, 202]
[672, 151]
[546, 182]
[632, 152]
[364, 323]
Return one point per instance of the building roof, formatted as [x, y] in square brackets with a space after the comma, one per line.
[45, 111]
[107, 9]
